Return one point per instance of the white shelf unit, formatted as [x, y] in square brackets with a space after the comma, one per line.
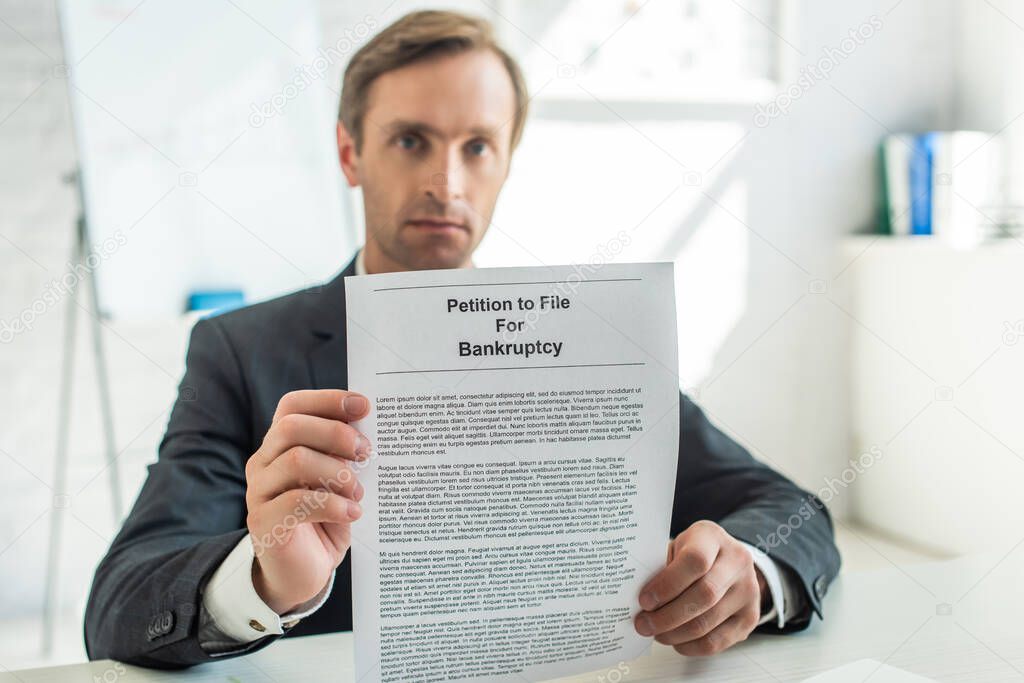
[937, 355]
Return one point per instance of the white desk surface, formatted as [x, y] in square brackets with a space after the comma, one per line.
[951, 621]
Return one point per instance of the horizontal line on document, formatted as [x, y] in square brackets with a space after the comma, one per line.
[524, 367]
[502, 284]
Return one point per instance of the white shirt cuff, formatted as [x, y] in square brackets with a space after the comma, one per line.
[773, 577]
[237, 609]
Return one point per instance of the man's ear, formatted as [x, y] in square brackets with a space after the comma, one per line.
[347, 155]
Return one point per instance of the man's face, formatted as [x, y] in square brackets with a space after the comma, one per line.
[435, 153]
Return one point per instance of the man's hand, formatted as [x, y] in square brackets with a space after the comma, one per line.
[708, 596]
[302, 494]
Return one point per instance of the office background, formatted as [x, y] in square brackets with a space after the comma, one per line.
[806, 337]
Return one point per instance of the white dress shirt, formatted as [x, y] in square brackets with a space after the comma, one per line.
[235, 614]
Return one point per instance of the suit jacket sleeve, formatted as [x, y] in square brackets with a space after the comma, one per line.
[144, 605]
[717, 479]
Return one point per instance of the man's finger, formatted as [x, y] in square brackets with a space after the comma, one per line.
[338, 534]
[699, 598]
[303, 467]
[725, 635]
[681, 625]
[321, 434]
[691, 561]
[334, 404]
[708, 590]
[275, 521]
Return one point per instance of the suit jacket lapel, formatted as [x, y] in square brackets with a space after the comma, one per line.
[328, 357]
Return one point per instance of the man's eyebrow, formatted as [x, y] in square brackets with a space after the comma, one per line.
[485, 131]
[402, 125]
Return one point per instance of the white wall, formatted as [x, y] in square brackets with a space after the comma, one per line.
[990, 55]
[778, 358]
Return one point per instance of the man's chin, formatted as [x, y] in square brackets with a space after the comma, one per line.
[430, 262]
[435, 253]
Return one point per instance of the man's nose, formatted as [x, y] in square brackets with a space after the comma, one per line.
[447, 182]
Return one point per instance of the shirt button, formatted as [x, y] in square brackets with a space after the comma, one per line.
[257, 626]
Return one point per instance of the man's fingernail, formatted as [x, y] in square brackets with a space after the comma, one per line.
[359, 491]
[644, 626]
[363, 447]
[354, 511]
[648, 600]
[354, 405]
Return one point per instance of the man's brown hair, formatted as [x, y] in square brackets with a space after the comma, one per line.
[418, 36]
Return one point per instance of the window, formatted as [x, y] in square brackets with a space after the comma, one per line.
[645, 50]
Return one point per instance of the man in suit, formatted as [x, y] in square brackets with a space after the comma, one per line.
[241, 532]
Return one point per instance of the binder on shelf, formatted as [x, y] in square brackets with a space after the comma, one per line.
[945, 184]
[895, 153]
[921, 185]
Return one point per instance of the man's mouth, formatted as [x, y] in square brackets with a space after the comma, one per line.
[437, 224]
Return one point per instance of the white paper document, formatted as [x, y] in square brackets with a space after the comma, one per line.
[867, 671]
[526, 427]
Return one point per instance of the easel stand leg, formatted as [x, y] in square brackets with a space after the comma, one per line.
[51, 605]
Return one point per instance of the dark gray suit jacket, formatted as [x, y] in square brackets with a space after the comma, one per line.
[145, 600]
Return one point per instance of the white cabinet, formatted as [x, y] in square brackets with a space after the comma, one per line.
[937, 353]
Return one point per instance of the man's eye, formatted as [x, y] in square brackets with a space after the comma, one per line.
[477, 148]
[408, 142]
